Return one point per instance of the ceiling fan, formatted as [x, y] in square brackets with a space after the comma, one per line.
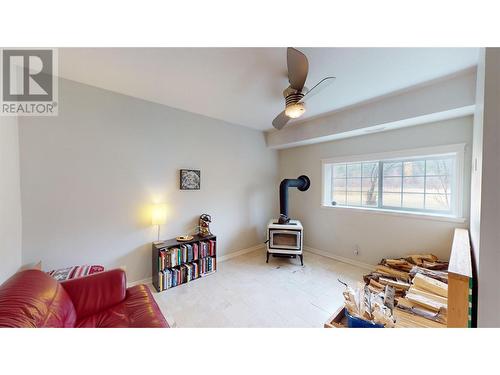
[296, 94]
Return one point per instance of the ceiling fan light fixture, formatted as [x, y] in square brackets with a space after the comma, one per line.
[295, 110]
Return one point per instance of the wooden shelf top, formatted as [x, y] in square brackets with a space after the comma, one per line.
[173, 242]
[460, 258]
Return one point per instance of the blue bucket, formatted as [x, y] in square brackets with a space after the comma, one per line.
[355, 322]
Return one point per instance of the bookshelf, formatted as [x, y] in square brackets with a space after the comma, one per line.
[175, 263]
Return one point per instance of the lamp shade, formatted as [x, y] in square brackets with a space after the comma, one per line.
[159, 214]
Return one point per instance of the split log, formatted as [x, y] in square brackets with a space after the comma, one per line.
[374, 290]
[376, 285]
[431, 285]
[419, 258]
[429, 295]
[396, 284]
[389, 296]
[425, 302]
[404, 303]
[405, 319]
[421, 311]
[435, 265]
[387, 271]
[438, 275]
[400, 264]
[369, 277]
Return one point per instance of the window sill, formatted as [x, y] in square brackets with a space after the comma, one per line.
[406, 214]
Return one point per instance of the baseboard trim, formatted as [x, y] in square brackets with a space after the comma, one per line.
[352, 262]
[139, 282]
[240, 252]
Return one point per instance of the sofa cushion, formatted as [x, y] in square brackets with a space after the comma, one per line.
[138, 310]
[98, 292]
[31, 298]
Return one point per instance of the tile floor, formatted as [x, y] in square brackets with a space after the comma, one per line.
[247, 292]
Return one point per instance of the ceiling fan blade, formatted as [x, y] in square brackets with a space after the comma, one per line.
[281, 120]
[325, 82]
[298, 67]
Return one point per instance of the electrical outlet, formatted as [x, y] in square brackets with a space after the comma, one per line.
[356, 250]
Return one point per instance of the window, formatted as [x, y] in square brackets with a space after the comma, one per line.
[420, 181]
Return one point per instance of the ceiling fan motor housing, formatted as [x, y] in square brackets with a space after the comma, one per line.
[292, 96]
[293, 108]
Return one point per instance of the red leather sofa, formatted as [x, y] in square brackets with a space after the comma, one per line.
[31, 298]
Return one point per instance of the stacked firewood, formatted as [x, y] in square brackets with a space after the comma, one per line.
[420, 283]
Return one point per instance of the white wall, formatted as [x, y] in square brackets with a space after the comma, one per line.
[477, 158]
[10, 199]
[485, 203]
[338, 231]
[89, 175]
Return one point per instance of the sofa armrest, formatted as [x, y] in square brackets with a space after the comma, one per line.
[97, 292]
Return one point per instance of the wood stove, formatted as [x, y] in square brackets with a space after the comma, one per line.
[285, 237]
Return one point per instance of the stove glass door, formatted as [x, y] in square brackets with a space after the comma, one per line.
[285, 239]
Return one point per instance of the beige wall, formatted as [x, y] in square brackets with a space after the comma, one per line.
[338, 231]
[89, 175]
[10, 199]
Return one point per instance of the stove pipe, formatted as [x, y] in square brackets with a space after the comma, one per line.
[302, 183]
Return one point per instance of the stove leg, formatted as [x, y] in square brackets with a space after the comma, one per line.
[267, 258]
[301, 259]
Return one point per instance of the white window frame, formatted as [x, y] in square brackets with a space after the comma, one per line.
[456, 150]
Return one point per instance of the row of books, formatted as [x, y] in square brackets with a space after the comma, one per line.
[207, 248]
[170, 277]
[176, 256]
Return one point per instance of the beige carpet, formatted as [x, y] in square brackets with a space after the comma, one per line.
[247, 292]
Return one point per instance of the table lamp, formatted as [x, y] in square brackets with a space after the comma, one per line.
[159, 216]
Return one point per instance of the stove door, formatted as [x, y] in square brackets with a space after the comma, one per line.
[284, 239]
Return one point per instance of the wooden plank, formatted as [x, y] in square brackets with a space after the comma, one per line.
[337, 320]
[460, 258]
[408, 320]
[459, 280]
[458, 301]
[432, 285]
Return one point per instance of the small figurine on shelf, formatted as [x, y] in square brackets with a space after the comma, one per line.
[205, 221]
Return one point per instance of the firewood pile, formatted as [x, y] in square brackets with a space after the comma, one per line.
[420, 285]
[374, 307]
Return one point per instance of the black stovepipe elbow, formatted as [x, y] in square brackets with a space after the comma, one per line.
[302, 183]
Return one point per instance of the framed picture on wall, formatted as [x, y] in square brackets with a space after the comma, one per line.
[190, 179]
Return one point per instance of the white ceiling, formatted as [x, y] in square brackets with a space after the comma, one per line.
[244, 85]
